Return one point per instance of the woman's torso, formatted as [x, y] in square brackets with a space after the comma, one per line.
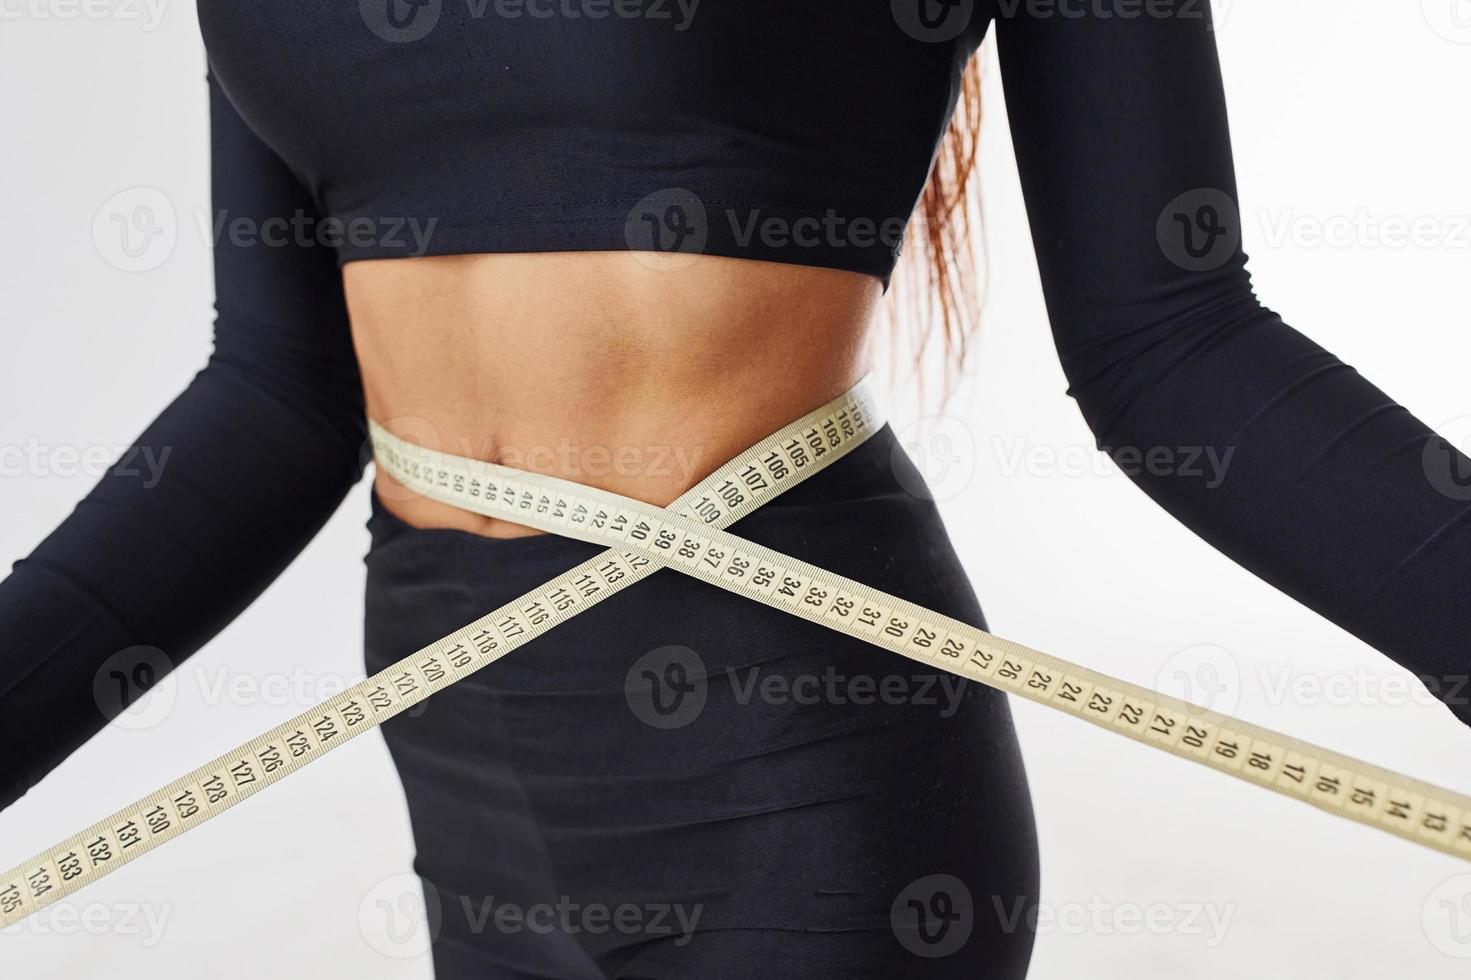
[651, 246]
[612, 241]
[597, 367]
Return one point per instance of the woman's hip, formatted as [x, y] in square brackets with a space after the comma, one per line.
[680, 746]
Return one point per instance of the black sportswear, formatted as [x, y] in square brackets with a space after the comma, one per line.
[762, 791]
[532, 133]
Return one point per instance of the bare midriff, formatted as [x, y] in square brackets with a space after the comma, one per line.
[631, 372]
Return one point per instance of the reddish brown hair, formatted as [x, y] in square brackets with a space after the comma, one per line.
[937, 288]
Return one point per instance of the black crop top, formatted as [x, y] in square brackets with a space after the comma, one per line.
[543, 133]
[787, 130]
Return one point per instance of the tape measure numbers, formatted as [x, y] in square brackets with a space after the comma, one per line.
[1418, 811]
[688, 537]
[777, 463]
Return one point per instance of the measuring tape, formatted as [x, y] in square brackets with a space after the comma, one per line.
[774, 465]
[688, 537]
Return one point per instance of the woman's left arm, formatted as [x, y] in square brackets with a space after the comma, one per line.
[1325, 487]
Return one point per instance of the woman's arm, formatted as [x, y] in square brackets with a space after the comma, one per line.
[1121, 138]
[262, 447]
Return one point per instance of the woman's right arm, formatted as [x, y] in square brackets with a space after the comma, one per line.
[261, 448]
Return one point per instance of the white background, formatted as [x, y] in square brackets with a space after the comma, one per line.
[1339, 109]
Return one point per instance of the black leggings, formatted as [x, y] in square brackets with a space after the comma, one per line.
[682, 783]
